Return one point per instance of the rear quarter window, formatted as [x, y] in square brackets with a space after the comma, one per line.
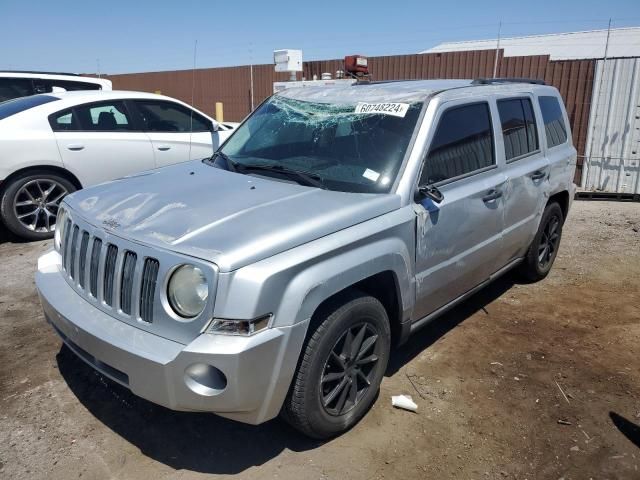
[554, 126]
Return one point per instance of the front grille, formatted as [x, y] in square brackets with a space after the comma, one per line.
[119, 277]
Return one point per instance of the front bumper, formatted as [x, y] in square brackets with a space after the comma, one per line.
[258, 369]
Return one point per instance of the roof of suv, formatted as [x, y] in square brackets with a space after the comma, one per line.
[401, 91]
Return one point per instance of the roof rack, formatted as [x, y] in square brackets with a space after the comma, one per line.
[492, 81]
[36, 72]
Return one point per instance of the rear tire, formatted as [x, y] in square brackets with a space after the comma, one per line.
[341, 366]
[544, 248]
[29, 203]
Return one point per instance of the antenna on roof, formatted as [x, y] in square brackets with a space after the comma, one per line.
[495, 62]
[193, 89]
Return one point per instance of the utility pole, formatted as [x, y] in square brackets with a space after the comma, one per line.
[251, 75]
[495, 62]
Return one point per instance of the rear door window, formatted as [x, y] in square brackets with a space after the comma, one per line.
[462, 144]
[518, 127]
[161, 116]
[554, 126]
[104, 117]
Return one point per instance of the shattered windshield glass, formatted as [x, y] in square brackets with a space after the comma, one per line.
[348, 147]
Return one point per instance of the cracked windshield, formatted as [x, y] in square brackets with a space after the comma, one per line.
[347, 147]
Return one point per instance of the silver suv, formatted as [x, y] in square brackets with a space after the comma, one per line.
[274, 277]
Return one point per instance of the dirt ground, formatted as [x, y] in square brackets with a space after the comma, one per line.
[538, 381]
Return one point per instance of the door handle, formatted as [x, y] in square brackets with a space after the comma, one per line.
[164, 148]
[493, 194]
[74, 147]
[538, 175]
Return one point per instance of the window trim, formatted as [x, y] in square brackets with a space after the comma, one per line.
[565, 121]
[535, 123]
[438, 118]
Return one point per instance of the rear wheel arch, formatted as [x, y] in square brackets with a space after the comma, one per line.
[562, 199]
[63, 172]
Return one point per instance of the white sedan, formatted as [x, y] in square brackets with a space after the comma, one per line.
[54, 144]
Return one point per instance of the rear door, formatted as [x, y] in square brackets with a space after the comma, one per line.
[526, 171]
[460, 239]
[100, 141]
[178, 134]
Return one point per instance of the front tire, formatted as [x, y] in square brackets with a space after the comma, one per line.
[341, 367]
[544, 248]
[29, 203]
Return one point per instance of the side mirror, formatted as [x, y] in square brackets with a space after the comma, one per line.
[431, 192]
[214, 127]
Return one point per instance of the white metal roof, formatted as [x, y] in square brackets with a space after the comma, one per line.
[623, 42]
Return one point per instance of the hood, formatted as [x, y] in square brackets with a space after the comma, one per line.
[227, 218]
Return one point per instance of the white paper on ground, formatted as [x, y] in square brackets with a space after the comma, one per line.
[405, 402]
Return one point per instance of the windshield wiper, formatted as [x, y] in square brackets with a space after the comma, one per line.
[230, 163]
[309, 179]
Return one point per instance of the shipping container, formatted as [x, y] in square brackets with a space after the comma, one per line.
[612, 155]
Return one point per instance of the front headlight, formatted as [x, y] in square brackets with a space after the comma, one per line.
[188, 291]
[61, 219]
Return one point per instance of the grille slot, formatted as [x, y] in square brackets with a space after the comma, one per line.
[72, 256]
[83, 259]
[148, 288]
[109, 273]
[126, 284]
[94, 267]
[65, 245]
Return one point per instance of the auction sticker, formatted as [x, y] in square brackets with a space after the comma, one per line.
[395, 109]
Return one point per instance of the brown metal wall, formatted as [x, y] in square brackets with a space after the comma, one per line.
[231, 85]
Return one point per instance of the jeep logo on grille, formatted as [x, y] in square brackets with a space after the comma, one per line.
[110, 223]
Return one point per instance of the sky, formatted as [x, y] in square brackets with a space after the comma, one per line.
[117, 36]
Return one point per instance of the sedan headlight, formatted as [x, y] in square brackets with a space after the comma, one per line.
[188, 291]
[61, 219]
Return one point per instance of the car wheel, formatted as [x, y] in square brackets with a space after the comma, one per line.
[30, 202]
[341, 366]
[544, 248]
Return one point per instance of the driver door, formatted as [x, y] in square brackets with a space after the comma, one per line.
[458, 240]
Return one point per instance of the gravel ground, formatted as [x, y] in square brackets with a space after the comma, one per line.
[536, 381]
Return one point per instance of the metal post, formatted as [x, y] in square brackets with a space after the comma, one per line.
[251, 87]
[495, 63]
[587, 159]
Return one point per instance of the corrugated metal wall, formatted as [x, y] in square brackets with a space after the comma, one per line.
[613, 149]
[231, 85]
